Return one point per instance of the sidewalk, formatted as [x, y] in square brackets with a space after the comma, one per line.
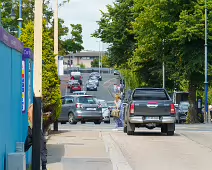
[90, 150]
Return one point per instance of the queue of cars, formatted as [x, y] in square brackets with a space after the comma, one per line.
[84, 108]
[75, 83]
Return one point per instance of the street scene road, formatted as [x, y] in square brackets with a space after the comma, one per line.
[99, 147]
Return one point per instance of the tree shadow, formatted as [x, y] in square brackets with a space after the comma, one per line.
[55, 152]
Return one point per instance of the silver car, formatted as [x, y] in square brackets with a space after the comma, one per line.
[105, 111]
[93, 79]
[80, 108]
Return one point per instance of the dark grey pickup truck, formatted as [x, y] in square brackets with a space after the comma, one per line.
[150, 108]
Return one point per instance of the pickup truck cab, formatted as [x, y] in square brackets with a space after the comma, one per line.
[150, 108]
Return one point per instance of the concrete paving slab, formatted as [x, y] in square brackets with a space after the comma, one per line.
[87, 164]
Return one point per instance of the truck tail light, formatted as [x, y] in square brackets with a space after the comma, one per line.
[173, 111]
[78, 105]
[132, 108]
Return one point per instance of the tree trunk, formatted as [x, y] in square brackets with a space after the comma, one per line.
[192, 115]
[56, 126]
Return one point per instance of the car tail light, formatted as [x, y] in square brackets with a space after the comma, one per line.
[78, 105]
[132, 108]
[80, 77]
[72, 78]
[173, 111]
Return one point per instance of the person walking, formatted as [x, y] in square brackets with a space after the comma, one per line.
[28, 141]
[118, 109]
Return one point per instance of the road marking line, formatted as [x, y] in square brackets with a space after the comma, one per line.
[108, 80]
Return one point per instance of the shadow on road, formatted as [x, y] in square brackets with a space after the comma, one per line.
[152, 134]
[55, 152]
[58, 132]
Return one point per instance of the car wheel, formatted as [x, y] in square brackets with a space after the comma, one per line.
[96, 89]
[163, 128]
[130, 128]
[170, 133]
[82, 122]
[108, 122]
[97, 122]
[71, 119]
[125, 129]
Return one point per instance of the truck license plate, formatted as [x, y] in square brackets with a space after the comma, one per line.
[152, 118]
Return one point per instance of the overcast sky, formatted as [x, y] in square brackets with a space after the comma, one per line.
[85, 12]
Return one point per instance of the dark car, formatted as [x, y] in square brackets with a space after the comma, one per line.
[77, 77]
[96, 74]
[93, 79]
[116, 72]
[91, 87]
[80, 108]
[150, 108]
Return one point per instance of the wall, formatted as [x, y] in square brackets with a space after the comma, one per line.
[10, 90]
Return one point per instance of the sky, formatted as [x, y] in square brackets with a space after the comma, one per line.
[85, 12]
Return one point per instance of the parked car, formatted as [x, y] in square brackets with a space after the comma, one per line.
[105, 111]
[116, 72]
[79, 92]
[111, 106]
[182, 112]
[150, 108]
[96, 74]
[80, 108]
[93, 79]
[91, 87]
[76, 76]
[75, 87]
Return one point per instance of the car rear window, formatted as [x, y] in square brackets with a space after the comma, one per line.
[86, 100]
[150, 94]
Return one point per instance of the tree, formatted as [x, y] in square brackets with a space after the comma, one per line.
[115, 28]
[74, 44]
[51, 95]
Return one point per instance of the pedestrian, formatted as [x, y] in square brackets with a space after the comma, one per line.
[117, 119]
[28, 141]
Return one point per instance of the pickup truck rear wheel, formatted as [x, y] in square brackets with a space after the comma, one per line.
[130, 128]
[170, 133]
[125, 129]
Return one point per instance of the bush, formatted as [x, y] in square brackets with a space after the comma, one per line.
[51, 94]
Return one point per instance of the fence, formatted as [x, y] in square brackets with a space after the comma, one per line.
[11, 95]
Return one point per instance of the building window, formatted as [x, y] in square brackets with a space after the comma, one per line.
[85, 58]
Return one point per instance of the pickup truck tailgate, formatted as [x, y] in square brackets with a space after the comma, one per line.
[151, 108]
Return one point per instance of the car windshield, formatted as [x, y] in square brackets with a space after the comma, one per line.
[184, 106]
[86, 100]
[111, 104]
[103, 103]
[93, 78]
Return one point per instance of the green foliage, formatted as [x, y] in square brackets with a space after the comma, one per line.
[81, 65]
[114, 28]
[105, 62]
[95, 63]
[74, 44]
[169, 31]
[51, 95]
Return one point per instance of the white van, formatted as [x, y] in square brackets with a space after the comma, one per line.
[76, 76]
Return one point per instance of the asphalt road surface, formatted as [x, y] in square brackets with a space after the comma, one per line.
[99, 147]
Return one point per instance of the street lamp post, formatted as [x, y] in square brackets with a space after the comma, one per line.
[56, 33]
[20, 19]
[163, 66]
[99, 55]
[206, 64]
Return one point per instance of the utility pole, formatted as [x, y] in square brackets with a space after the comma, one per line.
[36, 131]
[99, 54]
[207, 114]
[56, 32]
[163, 66]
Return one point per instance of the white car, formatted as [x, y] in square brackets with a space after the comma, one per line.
[105, 111]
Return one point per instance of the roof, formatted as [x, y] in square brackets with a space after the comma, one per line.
[86, 54]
